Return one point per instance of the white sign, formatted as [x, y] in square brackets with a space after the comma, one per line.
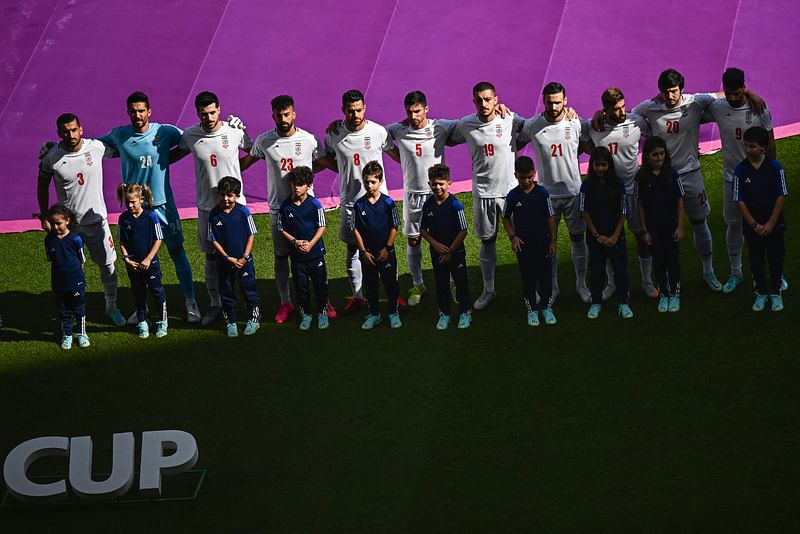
[154, 462]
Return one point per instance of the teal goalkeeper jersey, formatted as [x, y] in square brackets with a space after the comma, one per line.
[145, 157]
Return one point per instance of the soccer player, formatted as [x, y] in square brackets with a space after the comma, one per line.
[556, 143]
[375, 223]
[491, 140]
[76, 164]
[734, 115]
[215, 146]
[144, 151]
[231, 230]
[676, 119]
[348, 150]
[284, 148]
[420, 144]
[620, 133]
[759, 188]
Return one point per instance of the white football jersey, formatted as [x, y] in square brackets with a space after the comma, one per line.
[492, 147]
[556, 147]
[353, 150]
[622, 140]
[78, 178]
[282, 154]
[679, 127]
[216, 154]
[419, 150]
[733, 122]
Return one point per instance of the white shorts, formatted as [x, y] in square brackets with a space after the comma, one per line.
[279, 244]
[632, 205]
[99, 241]
[345, 232]
[412, 212]
[730, 210]
[202, 233]
[569, 208]
[486, 214]
[696, 200]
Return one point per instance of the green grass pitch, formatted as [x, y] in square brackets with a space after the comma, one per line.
[666, 422]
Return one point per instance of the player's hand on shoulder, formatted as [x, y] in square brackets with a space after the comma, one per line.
[597, 120]
[503, 110]
[756, 102]
[236, 122]
[333, 127]
[45, 148]
[570, 113]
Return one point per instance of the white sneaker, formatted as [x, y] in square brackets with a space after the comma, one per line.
[483, 301]
[583, 292]
[192, 311]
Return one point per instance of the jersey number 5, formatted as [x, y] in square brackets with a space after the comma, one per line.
[418, 149]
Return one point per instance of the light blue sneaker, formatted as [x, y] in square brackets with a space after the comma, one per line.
[394, 320]
[322, 321]
[548, 316]
[305, 321]
[83, 340]
[594, 311]
[232, 330]
[143, 330]
[251, 327]
[776, 302]
[674, 304]
[533, 318]
[161, 328]
[370, 321]
[732, 283]
[464, 320]
[713, 282]
[760, 303]
[443, 322]
[663, 304]
[625, 311]
[66, 342]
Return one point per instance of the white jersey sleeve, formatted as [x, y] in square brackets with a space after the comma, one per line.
[555, 145]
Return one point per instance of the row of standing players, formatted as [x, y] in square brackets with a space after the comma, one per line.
[147, 148]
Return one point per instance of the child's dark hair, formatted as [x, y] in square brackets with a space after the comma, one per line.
[650, 144]
[228, 185]
[524, 165]
[301, 176]
[133, 189]
[440, 171]
[373, 168]
[757, 134]
[61, 209]
[593, 181]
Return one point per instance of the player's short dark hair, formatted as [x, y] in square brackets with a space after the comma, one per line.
[281, 102]
[352, 96]
[61, 209]
[373, 168]
[553, 88]
[66, 118]
[204, 99]
[229, 184]
[757, 134]
[415, 97]
[138, 96]
[611, 96]
[670, 78]
[733, 79]
[483, 86]
[301, 176]
[524, 165]
[440, 171]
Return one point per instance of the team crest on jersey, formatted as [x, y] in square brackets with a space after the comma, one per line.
[567, 133]
[626, 131]
[298, 149]
[428, 132]
[367, 143]
[498, 130]
[225, 142]
[89, 160]
[684, 110]
[748, 117]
